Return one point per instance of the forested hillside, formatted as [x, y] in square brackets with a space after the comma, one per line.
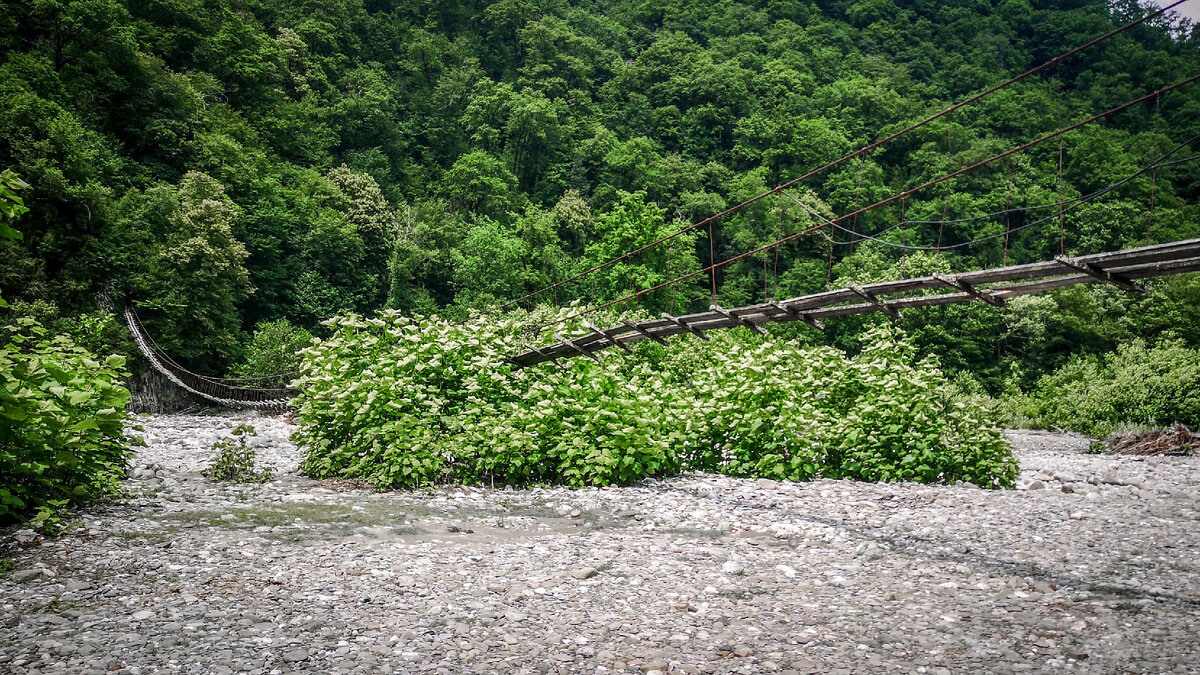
[223, 164]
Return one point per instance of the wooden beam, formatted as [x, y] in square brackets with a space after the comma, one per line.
[571, 343]
[1165, 268]
[737, 319]
[1093, 270]
[608, 336]
[544, 355]
[954, 282]
[637, 327]
[685, 325]
[797, 315]
[871, 298]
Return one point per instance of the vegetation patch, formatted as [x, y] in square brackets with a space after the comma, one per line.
[62, 425]
[404, 402]
[1137, 386]
[235, 458]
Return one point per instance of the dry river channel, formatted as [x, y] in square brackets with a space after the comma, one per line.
[1091, 565]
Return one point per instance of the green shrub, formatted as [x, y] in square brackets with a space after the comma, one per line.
[589, 424]
[235, 459]
[273, 350]
[409, 402]
[780, 411]
[744, 417]
[1136, 386]
[62, 424]
[384, 399]
[12, 205]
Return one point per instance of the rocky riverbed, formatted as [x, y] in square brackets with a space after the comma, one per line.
[1092, 565]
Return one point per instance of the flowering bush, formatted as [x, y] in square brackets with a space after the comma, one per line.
[405, 402]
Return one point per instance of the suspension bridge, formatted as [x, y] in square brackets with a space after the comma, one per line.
[1124, 269]
[267, 393]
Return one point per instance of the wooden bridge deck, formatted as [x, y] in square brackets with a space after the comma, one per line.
[994, 286]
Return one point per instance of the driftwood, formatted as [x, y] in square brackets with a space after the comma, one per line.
[1176, 441]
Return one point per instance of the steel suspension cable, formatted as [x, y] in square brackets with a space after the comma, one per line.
[1062, 229]
[778, 235]
[900, 195]
[1153, 166]
[946, 200]
[1154, 176]
[1007, 210]
[1070, 206]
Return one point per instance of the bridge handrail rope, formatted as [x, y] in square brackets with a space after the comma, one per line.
[899, 195]
[280, 378]
[1069, 205]
[837, 162]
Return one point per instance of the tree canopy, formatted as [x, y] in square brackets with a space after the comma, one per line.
[228, 163]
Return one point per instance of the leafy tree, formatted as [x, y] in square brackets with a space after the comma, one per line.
[479, 183]
[428, 156]
[273, 350]
[197, 274]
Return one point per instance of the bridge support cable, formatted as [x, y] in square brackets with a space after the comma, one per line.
[860, 152]
[1003, 283]
[897, 196]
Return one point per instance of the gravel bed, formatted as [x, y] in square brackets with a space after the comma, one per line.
[1090, 565]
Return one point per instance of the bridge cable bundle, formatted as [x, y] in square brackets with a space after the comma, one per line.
[894, 197]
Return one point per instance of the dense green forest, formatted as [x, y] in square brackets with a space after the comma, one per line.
[223, 164]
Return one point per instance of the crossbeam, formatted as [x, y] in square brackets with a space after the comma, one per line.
[874, 300]
[797, 315]
[544, 354]
[955, 282]
[1099, 273]
[737, 319]
[686, 326]
[579, 350]
[608, 336]
[637, 327]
